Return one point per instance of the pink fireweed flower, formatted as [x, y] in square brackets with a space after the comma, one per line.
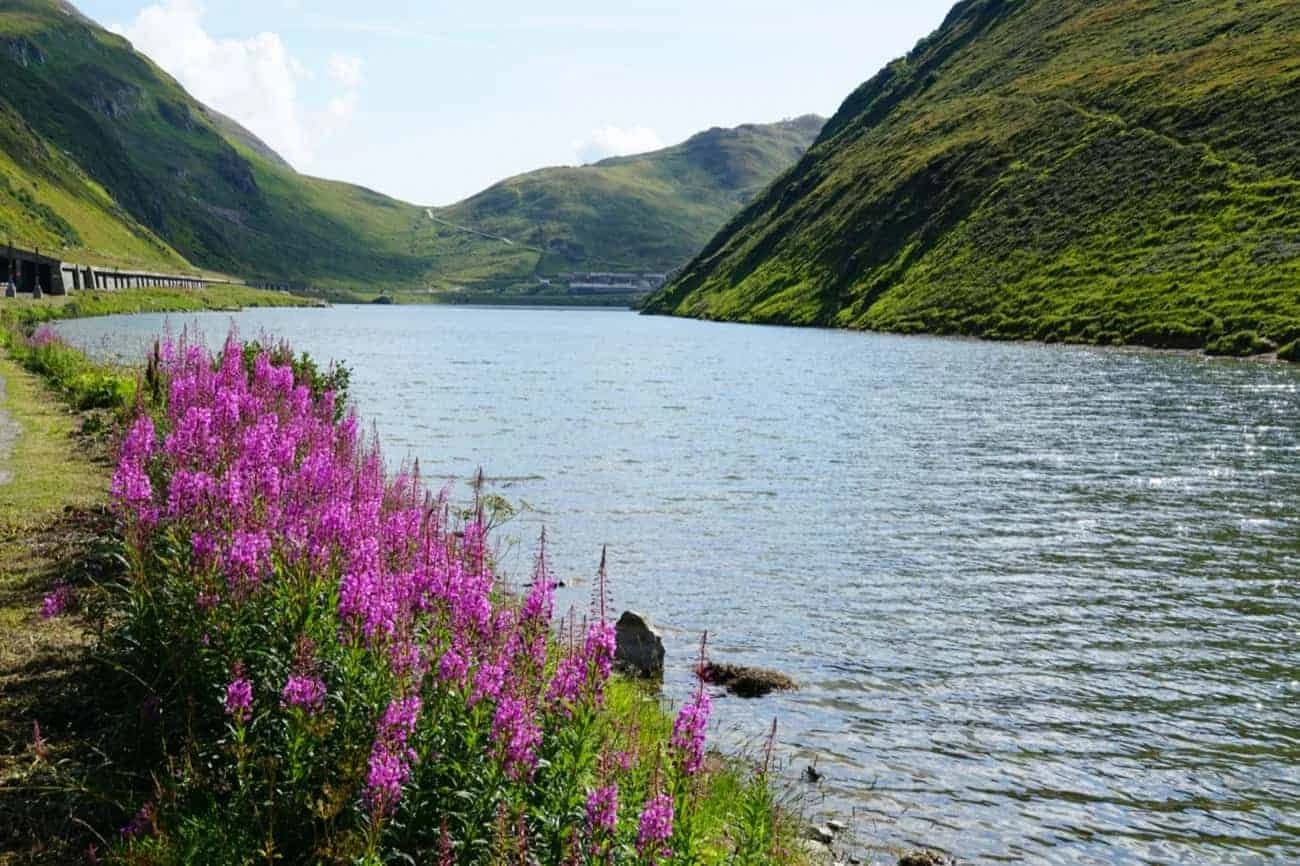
[516, 733]
[655, 829]
[307, 693]
[488, 681]
[583, 673]
[600, 648]
[142, 823]
[689, 732]
[57, 602]
[390, 756]
[131, 488]
[453, 666]
[602, 809]
[239, 696]
[44, 336]
[387, 770]
[248, 559]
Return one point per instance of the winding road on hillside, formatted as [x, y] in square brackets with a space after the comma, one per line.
[505, 240]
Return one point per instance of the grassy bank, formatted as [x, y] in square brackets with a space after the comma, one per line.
[155, 703]
[76, 305]
[51, 522]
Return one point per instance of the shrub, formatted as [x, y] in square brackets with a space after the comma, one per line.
[336, 675]
[1166, 335]
[85, 384]
[1290, 352]
[1239, 343]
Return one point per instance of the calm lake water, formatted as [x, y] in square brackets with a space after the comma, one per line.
[1042, 601]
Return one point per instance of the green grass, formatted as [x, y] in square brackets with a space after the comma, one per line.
[57, 479]
[1122, 171]
[47, 475]
[80, 305]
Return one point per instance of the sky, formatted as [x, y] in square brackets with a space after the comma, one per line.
[433, 101]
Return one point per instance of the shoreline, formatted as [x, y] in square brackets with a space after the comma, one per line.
[53, 748]
[1270, 358]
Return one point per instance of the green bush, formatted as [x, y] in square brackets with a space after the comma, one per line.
[1239, 344]
[1167, 335]
[1290, 352]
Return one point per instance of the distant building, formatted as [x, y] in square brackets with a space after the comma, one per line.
[614, 283]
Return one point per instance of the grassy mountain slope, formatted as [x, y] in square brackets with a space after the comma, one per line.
[1112, 171]
[653, 210]
[104, 155]
[183, 173]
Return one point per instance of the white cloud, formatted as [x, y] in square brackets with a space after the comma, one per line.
[615, 141]
[346, 70]
[254, 80]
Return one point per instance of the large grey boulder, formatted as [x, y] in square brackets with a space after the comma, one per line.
[639, 648]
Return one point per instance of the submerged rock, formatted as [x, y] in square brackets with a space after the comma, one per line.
[824, 835]
[747, 682]
[926, 858]
[639, 648]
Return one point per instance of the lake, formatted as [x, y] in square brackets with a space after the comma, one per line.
[1041, 600]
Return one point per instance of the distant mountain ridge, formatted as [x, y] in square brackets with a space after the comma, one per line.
[105, 157]
[1107, 171]
[649, 210]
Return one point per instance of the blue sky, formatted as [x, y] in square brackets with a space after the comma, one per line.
[433, 101]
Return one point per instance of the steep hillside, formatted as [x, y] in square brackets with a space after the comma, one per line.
[105, 156]
[1112, 171]
[653, 210]
[96, 114]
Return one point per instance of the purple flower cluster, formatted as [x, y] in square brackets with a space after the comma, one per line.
[689, 731]
[655, 829]
[276, 501]
[57, 602]
[517, 734]
[239, 696]
[305, 692]
[391, 756]
[602, 809]
[142, 823]
[44, 336]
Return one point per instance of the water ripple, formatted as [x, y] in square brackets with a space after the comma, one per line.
[1042, 600]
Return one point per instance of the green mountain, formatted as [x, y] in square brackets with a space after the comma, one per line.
[106, 158]
[1109, 171]
[653, 210]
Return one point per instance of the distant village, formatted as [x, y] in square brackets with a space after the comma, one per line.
[596, 283]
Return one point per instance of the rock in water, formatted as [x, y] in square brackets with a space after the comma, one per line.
[747, 682]
[925, 858]
[822, 835]
[639, 649]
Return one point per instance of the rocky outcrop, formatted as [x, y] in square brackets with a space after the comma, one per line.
[22, 51]
[926, 858]
[639, 648]
[107, 94]
[747, 682]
